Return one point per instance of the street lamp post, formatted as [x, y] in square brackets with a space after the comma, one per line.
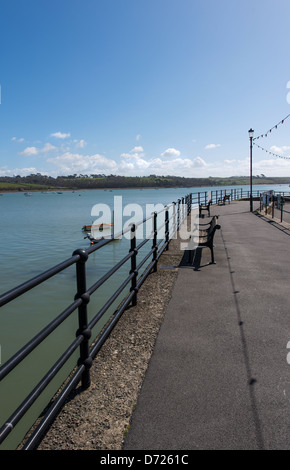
[251, 135]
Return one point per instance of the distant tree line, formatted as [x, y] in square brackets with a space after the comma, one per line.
[101, 181]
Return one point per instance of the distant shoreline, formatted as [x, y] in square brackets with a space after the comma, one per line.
[98, 182]
[60, 190]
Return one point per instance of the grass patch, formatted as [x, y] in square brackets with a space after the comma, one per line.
[25, 187]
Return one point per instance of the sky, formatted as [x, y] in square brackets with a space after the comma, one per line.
[141, 87]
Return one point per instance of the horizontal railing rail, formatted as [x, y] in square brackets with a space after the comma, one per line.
[160, 222]
[164, 225]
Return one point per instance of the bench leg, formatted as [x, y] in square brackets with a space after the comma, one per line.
[212, 255]
[190, 256]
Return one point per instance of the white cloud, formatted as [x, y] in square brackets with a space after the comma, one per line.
[280, 150]
[60, 135]
[29, 151]
[48, 148]
[15, 139]
[275, 166]
[4, 171]
[138, 137]
[170, 153]
[276, 149]
[81, 144]
[128, 156]
[142, 164]
[212, 146]
[199, 162]
[134, 154]
[138, 149]
[159, 166]
[170, 163]
[131, 156]
[77, 163]
[126, 166]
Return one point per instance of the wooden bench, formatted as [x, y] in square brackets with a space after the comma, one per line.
[204, 207]
[204, 231]
[206, 237]
[227, 197]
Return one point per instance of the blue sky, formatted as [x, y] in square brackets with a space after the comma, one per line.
[139, 87]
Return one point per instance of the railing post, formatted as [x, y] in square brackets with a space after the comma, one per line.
[178, 214]
[134, 264]
[182, 209]
[154, 245]
[167, 229]
[83, 330]
[173, 219]
[281, 203]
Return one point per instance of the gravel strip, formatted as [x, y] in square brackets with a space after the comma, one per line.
[99, 418]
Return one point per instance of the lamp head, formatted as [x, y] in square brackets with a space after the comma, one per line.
[251, 133]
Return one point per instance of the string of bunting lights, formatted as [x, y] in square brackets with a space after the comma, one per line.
[271, 153]
[270, 130]
[266, 134]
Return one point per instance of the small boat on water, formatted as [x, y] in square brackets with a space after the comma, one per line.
[100, 227]
[94, 240]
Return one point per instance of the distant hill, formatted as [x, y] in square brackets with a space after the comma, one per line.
[38, 182]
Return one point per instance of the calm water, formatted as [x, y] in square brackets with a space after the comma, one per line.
[36, 233]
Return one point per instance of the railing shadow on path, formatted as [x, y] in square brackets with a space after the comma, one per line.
[274, 224]
[250, 379]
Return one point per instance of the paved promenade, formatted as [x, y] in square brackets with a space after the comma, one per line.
[219, 377]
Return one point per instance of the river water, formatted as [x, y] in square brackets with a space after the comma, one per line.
[38, 231]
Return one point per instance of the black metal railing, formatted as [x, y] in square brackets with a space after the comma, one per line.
[276, 205]
[165, 224]
[167, 221]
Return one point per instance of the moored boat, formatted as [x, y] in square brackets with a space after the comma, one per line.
[100, 227]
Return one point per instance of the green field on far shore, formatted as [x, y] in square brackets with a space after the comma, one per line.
[40, 182]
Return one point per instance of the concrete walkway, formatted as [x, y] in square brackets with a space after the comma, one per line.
[219, 377]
